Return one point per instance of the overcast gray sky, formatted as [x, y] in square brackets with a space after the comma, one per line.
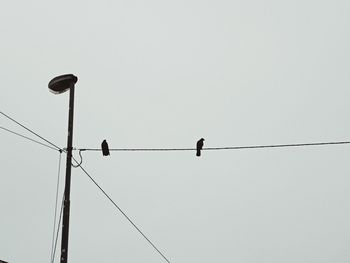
[164, 74]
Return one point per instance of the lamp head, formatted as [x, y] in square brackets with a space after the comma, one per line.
[62, 83]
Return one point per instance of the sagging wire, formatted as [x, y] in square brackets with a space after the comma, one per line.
[81, 159]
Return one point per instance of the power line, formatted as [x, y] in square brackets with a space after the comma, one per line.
[167, 149]
[30, 139]
[123, 213]
[58, 148]
[277, 145]
[219, 148]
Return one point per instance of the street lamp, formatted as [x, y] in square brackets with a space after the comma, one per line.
[59, 85]
[62, 83]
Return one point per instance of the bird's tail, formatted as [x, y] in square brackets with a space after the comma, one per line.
[198, 152]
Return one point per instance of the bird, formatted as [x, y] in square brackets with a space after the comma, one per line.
[105, 149]
[199, 146]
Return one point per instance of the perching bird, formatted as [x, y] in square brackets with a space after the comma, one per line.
[199, 146]
[105, 149]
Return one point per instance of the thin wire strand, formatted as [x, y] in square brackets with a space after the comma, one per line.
[56, 203]
[58, 148]
[123, 213]
[219, 148]
[58, 231]
[81, 160]
[30, 139]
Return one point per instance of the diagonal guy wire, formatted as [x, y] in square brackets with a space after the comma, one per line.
[123, 213]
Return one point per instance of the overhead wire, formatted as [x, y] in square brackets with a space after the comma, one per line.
[30, 139]
[218, 148]
[31, 131]
[55, 147]
[123, 213]
[166, 149]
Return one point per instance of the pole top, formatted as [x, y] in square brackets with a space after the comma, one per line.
[62, 83]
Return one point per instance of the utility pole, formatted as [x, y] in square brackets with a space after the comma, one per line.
[66, 204]
[59, 85]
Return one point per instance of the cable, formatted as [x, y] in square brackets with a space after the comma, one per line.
[55, 216]
[58, 230]
[171, 149]
[58, 148]
[81, 160]
[48, 146]
[277, 146]
[123, 213]
[220, 148]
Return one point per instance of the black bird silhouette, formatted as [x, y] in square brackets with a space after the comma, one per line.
[105, 149]
[199, 146]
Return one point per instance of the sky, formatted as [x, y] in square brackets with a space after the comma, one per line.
[163, 74]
